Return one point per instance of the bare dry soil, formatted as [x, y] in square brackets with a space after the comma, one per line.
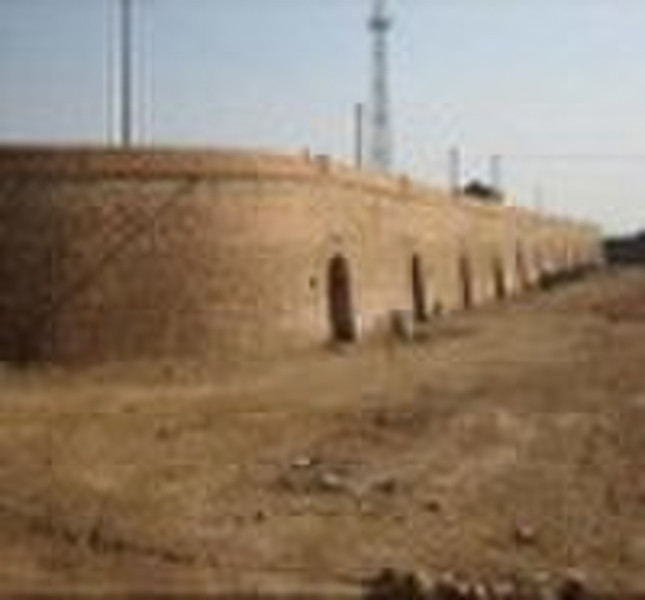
[507, 440]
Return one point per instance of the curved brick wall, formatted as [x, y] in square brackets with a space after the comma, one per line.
[219, 256]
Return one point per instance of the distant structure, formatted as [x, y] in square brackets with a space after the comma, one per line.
[482, 192]
[626, 249]
[381, 134]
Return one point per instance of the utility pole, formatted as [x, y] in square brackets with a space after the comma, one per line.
[454, 171]
[359, 111]
[496, 173]
[126, 73]
[381, 135]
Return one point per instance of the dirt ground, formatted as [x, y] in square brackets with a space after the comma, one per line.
[509, 440]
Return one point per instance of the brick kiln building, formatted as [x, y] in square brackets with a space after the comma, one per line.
[216, 256]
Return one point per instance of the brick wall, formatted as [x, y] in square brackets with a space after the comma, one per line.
[220, 257]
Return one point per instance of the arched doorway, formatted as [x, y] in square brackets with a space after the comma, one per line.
[522, 281]
[499, 279]
[419, 304]
[465, 280]
[339, 295]
[539, 268]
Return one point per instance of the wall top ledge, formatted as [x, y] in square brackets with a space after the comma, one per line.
[65, 161]
[141, 162]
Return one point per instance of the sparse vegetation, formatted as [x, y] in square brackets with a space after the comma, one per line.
[512, 451]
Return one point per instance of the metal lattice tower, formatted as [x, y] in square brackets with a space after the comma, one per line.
[381, 134]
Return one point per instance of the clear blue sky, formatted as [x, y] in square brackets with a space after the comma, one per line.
[557, 87]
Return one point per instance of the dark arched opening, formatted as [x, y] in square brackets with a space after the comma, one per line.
[499, 279]
[419, 304]
[539, 269]
[339, 294]
[520, 270]
[465, 280]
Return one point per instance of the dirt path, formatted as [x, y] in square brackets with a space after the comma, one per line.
[511, 440]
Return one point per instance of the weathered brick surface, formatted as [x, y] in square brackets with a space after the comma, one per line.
[223, 256]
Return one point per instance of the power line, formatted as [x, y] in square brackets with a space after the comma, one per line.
[575, 157]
